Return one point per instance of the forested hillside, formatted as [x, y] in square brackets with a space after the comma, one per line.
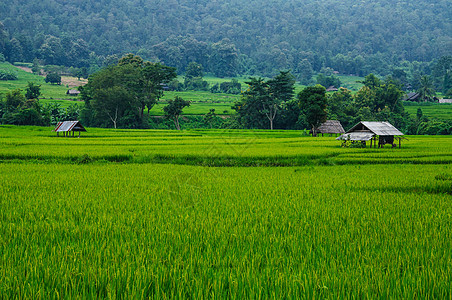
[231, 37]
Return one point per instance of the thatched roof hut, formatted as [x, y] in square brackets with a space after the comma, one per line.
[331, 127]
[365, 131]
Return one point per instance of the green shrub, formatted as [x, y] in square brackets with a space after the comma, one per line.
[8, 75]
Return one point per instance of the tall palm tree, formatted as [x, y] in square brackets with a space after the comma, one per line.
[426, 90]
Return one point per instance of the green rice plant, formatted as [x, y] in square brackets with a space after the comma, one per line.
[161, 231]
[221, 213]
[212, 147]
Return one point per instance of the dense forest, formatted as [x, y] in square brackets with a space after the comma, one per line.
[232, 37]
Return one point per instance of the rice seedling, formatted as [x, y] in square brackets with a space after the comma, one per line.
[143, 214]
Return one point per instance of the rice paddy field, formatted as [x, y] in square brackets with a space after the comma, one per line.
[222, 214]
[435, 111]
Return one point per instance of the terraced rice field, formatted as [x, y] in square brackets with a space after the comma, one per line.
[222, 214]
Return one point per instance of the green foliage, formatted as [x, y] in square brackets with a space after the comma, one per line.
[174, 108]
[210, 117]
[306, 37]
[426, 90]
[7, 75]
[327, 81]
[53, 78]
[14, 99]
[194, 70]
[33, 91]
[232, 87]
[263, 100]
[313, 103]
[442, 73]
[18, 110]
[120, 93]
[195, 84]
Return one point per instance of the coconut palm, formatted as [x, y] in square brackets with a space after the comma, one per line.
[426, 90]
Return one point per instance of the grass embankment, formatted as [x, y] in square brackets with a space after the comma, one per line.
[90, 228]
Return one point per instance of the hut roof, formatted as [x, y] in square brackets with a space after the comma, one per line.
[331, 88]
[378, 128]
[412, 96]
[69, 126]
[364, 131]
[72, 92]
[331, 126]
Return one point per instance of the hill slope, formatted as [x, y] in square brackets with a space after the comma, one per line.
[255, 36]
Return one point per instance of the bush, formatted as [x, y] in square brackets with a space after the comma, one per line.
[7, 75]
[232, 87]
[53, 78]
[196, 84]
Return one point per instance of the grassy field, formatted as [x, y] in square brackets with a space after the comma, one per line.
[222, 214]
[51, 92]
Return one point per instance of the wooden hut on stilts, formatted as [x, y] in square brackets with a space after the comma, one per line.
[381, 132]
[67, 127]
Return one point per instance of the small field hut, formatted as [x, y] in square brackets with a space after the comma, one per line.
[72, 92]
[364, 131]
[331, 127]
[67, 127]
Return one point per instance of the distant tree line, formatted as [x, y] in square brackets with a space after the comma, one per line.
[261, 107]
[121, 96]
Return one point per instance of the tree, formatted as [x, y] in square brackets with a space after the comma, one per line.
[426, 90]
[155, 77]
[259, 92]
[14, 99]
[327, 81]
[193, 78]
[263, 99]
[224, 59]
[113, 102]
[36, 68]
[371, 81]
[194, 70]
[282, 86]
[139, 82]
[174, 109]
[210, 117]
[313, 104]
[442, 73]
[305, 71]
[52, 78]
[110, 93]
[33, 91]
